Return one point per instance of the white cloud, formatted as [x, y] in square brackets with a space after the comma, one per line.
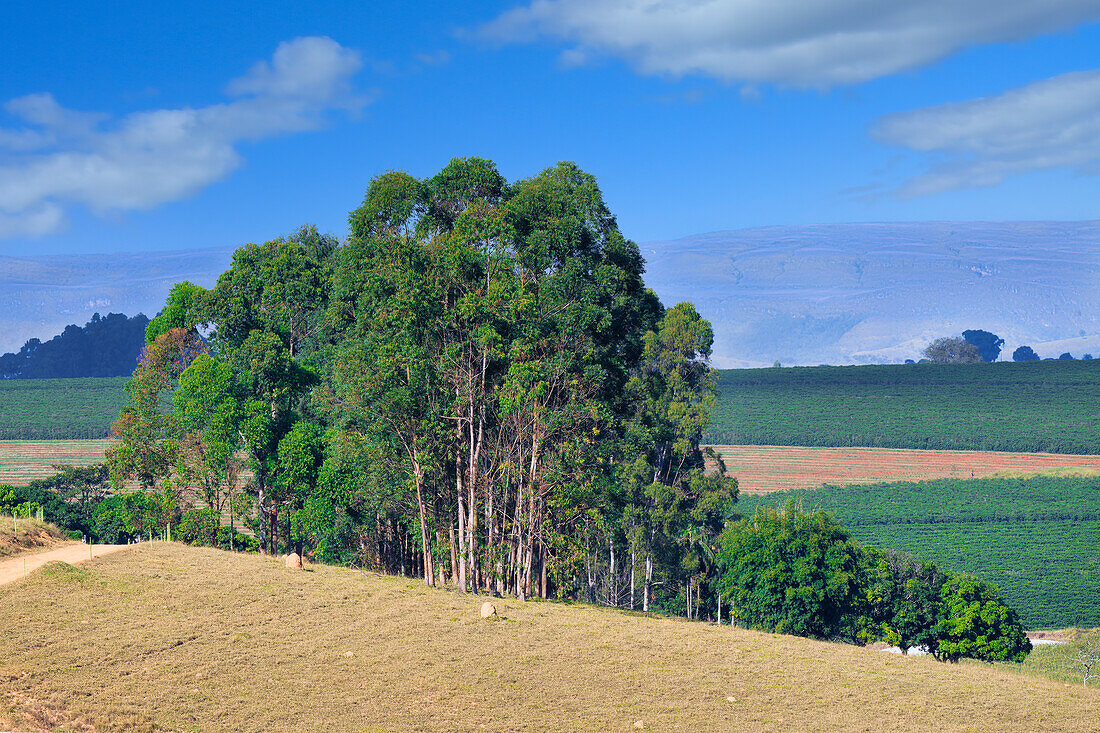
[1054, 123]
[60, 157]
[813, 43]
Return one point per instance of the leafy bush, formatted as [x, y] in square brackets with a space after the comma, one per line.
[975, 623]
[1036, 537]
[197, 526]
[230, 538]
[792, 572]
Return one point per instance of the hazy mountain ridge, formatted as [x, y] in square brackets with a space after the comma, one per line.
[837, 294]
[867, 293]
[39, 296]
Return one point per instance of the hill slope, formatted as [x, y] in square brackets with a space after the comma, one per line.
[867, 293]
[170, 637]
[1048, 406]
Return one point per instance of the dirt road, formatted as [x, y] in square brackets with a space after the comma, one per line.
[12, 568]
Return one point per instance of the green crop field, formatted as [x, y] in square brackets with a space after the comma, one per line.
[1037, 538]
[60, 409]
[1046, 406]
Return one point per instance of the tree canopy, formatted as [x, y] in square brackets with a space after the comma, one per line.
[951, 350]
[988, 344]
[1025, 353]
[475, 387]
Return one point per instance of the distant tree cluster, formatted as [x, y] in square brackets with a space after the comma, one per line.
[975, 346]
[952, 350]
[796, 572]
[104, 347]
[1025, 353]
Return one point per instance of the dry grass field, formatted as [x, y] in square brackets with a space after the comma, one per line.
[762, 469]
[164, 637]
[22, 461]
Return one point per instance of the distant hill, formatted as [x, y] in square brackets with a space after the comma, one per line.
[40, 296]
[878, 293]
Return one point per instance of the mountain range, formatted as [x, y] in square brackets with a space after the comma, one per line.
[879, 293]
[833, 294]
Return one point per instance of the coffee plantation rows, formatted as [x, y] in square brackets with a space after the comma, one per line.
[59, 409]
[1046, 406]
[1037, 538]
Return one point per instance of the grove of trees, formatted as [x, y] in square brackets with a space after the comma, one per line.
[952, 350]
[475, 388]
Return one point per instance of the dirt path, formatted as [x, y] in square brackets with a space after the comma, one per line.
[12, 568]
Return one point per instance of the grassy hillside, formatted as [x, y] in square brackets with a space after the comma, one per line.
[1047, 406]
[1036, 538]
[27, 535]
[59, 409]
[167, 637]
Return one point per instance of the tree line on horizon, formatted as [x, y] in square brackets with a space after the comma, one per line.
[975, 346]
[106, 346]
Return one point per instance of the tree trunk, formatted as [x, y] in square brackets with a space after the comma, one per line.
[461, 527]
[633, 562]
[429, 571]
[544, 590]
[648, 581]
[613, 593]
[454, 557]
[263, 538]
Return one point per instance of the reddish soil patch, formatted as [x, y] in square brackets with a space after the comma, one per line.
[762, 469]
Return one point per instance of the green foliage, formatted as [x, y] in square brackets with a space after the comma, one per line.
[948, 350]
[197, 526]
[60, 409]
[988, 344]
[1024, 353]
[1036, 537]
[476, 386]
[902, 599]
[139, 514]
[797, 572]
[975, 623]
[1047, 406]
[792, 572]
[69, 498]
[183, 309]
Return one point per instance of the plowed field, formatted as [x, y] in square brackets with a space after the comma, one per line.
[762, 469]
[22, 461]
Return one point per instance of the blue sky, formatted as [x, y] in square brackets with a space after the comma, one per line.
[147, 126]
